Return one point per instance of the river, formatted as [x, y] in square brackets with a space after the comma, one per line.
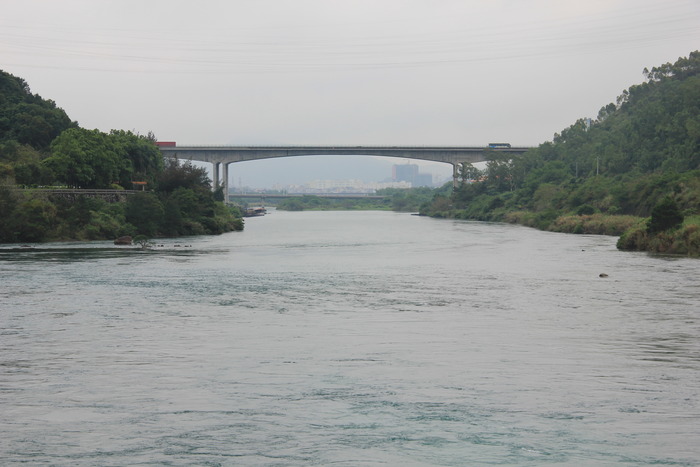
[353, 339]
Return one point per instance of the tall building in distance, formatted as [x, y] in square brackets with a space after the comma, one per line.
[410, 173]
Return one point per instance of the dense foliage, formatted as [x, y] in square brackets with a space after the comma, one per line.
[184, 208]
[41, 146]
[411, 199]
[91, 159]
[28, 125]
[26, 118]
[640, 156]
[395, 199]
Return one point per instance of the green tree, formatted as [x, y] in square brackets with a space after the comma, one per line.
[173, 223]
[9, 200]
[193, 203]
[467, 172]
[27, 118]
[145, 212]
[145, 160]
[86, 159]
[665, 216]
[182, 175]
[142, 241]
[93, 159]
[500, 173]
[34, 220]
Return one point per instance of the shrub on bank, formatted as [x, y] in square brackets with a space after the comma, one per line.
[634, 238]
[597, 224]
[539, 220]
[691, 238]
[520, 217]
[684, 240]
[665, 215]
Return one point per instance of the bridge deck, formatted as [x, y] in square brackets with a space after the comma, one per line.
[229, 154]
[225, 155]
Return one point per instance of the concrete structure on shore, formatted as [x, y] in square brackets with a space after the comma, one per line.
[222, 156]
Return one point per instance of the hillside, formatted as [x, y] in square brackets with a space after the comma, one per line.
[40, 146]
[610, 175]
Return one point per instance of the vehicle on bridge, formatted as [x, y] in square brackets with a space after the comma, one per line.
[499, 145]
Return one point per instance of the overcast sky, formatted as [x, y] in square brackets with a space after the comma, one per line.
[355, 72]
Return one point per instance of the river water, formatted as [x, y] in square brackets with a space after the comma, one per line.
[354, 339]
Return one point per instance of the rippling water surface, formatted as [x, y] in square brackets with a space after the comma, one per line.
[350, 338]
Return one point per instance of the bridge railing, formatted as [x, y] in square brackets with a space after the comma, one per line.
[328, 146]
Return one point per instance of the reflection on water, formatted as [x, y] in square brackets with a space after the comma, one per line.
[91, 251]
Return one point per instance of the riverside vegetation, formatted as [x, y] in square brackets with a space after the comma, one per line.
[40, 146]
[634, 171]
[395, 199]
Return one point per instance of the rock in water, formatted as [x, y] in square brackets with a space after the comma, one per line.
[125, 240]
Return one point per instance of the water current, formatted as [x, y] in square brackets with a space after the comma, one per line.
[353, 339]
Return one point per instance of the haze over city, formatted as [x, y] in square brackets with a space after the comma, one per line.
[339, 73]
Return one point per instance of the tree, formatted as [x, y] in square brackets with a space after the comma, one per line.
[93, 159]
[86, 159]
[145, 160]
[142, 241]
[172, 218]
[499, 173]
[9, 200]
[34, 220]
[26, 117]
[185, 175]
[145, 212]
[665, 216]
[467, 172]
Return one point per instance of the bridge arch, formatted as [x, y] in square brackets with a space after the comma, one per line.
[223, 156]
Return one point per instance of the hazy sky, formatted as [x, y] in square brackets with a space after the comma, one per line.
[356, 72]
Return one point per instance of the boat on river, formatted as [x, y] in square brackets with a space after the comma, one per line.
[254, 212]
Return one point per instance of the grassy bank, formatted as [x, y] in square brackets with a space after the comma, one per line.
[682, 240]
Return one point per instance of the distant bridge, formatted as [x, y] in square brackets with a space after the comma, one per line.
[335, 196]
[223, 156]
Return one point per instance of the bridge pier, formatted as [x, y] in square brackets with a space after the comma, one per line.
[219, 176]
[215, 175]
[225, 180]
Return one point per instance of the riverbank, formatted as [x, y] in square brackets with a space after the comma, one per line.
[633, 231]
[37, 217]
[683, 240]
[595, 224]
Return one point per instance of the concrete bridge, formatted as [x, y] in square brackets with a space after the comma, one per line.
[333, 196]
[223, 156]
